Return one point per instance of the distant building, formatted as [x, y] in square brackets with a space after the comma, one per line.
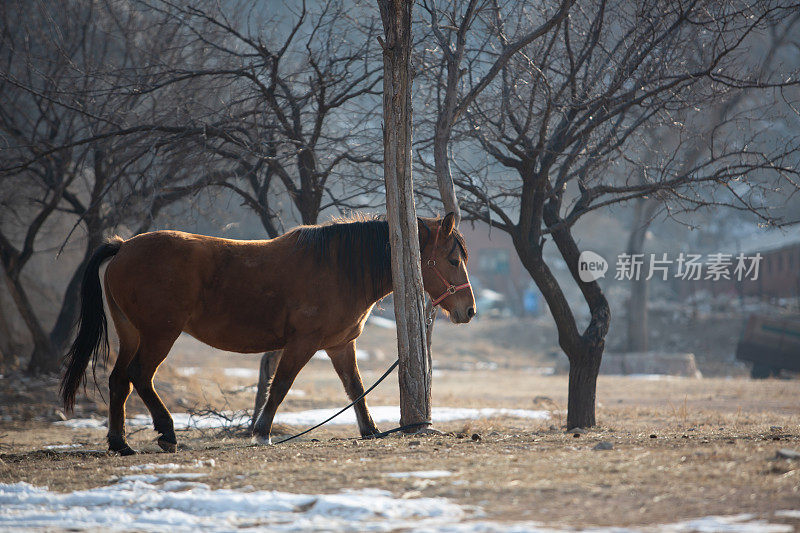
[780, 274]
[778, 271]
[495, 265]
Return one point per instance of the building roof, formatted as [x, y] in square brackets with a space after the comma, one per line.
[773, 239]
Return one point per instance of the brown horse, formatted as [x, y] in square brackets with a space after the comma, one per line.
[309, 289]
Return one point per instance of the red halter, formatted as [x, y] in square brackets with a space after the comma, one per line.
[451, 289]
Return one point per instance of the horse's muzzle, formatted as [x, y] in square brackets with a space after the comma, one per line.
[462, 316]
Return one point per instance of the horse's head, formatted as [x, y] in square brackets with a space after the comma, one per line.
[444, 267]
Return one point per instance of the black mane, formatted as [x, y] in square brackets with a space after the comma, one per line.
[359, 245]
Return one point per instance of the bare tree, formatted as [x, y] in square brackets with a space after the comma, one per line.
[450, 27]
[303, 105]
[60, 103]
[646, 208]
[567, 114]
[409, 302]
[451, 36]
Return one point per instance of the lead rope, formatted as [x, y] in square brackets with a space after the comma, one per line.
[351, 404]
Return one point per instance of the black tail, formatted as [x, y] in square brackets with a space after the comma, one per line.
[92, 336]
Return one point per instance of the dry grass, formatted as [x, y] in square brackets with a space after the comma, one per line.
[713, 451]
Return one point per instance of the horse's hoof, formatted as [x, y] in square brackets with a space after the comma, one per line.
[169, 447]
[118, 444]
[427, 431]
[126, 450]
[371, 434]
[260, 440]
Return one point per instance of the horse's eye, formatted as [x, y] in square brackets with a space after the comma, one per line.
[454, 262]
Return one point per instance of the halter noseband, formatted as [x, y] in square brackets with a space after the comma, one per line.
[451, 289]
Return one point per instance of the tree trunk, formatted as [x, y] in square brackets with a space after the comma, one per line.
[585, 360]
[637, 317]
[61, 333]
[67, 316]
[8, 348]
[583, 371]
[584, 349]
[269, 226]
[409, 303]
[637, 303]
[44, 358]
[444, 178]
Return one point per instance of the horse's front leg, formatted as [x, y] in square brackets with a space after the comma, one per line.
[344, 361]
[295, 356]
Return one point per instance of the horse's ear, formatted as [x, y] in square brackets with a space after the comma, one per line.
[448, 223]
[424, 233]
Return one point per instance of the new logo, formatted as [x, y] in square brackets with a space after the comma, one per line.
[591, 266]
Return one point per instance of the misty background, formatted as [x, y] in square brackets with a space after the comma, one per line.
[664, 129]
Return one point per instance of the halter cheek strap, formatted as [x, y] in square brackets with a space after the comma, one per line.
[451, 288]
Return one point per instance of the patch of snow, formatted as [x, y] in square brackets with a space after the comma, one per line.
[154, 478]
[80, 423]
[466, 366]
[511, 527]
[63, 446]
[361, 355]
[232, 372]
[181, 420]
[297, 393]
[741, 523]
[651, 377]
[788, 514]
[385, 323]
[154, 466]
[176, 485]
[391, 413]
[421, 474]
[380, 414]
[187, 421]
[142, 506]
[744, 523]
[198, 463]
[246, 373]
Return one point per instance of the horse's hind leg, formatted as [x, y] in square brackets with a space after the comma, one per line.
[344, 361]
[152, 352]
[294, 358]
[269, 362]
[119, 386]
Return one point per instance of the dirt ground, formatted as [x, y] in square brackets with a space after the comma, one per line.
[682, 448]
